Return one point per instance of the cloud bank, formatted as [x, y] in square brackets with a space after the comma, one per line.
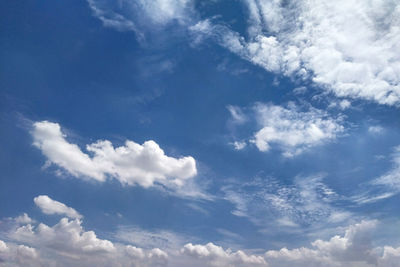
[132, 164]
[67, 243]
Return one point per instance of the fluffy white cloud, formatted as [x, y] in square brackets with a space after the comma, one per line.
[350, 48]
[132, 164]
[293, 130]
[68, 244]
[239, 145]
[353, 249]
[50, 206]
[212, 255]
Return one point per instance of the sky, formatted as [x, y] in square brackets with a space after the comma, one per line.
[200, 133]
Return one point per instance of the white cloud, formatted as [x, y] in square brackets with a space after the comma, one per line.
[141, 16]
[50, 206]
[353, 249]
[68, 244]
[306, 203]
[292, 130]
[350, 48]
[132, 164]
[237, 114]
[376, 129]
[23, 219]
[212, 255]
[391, 179]
[239, 145]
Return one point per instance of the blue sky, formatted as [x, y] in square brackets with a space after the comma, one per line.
[209, 133]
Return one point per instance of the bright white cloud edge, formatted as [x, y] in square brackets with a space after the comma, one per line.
[350, 48]
[50, 206]
[68, 244]
[132, 164]
[292, 129]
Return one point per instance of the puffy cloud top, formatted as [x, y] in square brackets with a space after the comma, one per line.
[292, 130]
[132, 164]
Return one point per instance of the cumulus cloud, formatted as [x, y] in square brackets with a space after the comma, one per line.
[350, 48]
[293, 130]
[50, 206]
[212, 255]
[132, 164]
[353, 249]
[67, 243]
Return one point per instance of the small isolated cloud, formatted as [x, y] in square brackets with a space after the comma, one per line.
[132, 164]
[141, 16]
[50, 206]
[238, 116]
[293, 130]
[239, 145]
[376, 129]
[342, 105]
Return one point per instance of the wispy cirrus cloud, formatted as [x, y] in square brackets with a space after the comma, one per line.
[142, 16]
[305, 203]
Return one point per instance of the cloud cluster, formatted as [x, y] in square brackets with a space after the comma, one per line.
[132, 164]
[68, 244]
[293, 130]
[353, 249]
[350, 48]
[213, 255]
